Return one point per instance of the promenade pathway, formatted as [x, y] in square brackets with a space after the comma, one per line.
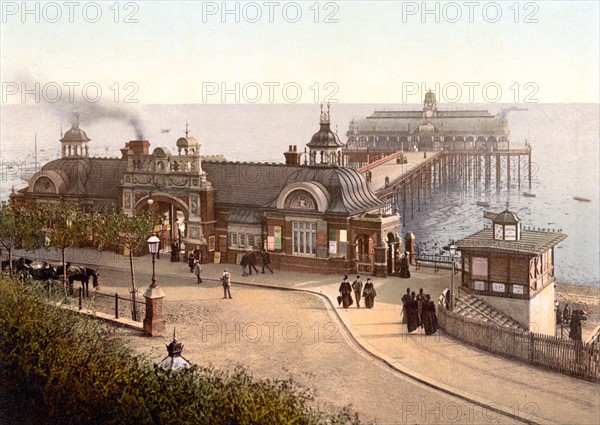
[515, 389]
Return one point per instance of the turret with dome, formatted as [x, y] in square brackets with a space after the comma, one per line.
[75, 142]
[325, 146]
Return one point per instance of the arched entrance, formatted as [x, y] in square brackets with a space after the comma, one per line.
[393, 254]
[364, 254]
[173, 214]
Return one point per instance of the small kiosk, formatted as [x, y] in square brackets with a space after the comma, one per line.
[512, 269]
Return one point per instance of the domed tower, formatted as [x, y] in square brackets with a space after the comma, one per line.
[325, 146]
[352, 134]
[74, 142]
[429, 105]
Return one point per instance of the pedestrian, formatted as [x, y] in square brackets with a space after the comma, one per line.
[405, 300]
[197, 254]
[575, 325]
[198, 271]
[369, 294]
[266, 260]
[226, 281]
[244, 263]
[174, 252]
[404, 266]
[420, 301]
[412, 313]
[346, 292]
[357, 286]
[191, 261]
[428, 316]
[252, 262]
[567, 314]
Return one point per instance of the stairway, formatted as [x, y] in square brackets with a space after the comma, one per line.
[472, 307]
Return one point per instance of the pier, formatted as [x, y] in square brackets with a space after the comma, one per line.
[407, 179]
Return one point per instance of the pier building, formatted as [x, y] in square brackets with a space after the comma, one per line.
[314, 216]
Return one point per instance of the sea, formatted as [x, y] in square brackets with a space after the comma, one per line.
[564, 140]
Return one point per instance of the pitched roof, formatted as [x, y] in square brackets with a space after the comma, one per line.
[348, 189]
[532, 242]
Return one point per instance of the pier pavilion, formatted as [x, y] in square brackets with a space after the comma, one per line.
[318, 216]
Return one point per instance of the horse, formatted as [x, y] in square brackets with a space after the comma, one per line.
[82, 274]
[17, 265]
[40, 270]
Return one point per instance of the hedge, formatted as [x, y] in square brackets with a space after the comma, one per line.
[57, 367]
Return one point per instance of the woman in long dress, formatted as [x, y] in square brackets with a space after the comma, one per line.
[412, 313]
[369, 294]
[346, 293]
[428, 316]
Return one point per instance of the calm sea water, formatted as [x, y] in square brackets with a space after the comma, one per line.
[564, 138]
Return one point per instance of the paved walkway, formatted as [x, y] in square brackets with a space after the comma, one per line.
[513, 388]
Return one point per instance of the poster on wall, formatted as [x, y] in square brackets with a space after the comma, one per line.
[277, 236]
[332, 247]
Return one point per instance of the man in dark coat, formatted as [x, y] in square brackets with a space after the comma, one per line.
[252, 262]
[244, 263]
[346, 293]
[575, 325]
[357, 287]
[412, 313]
[266, 260]
[191, 261]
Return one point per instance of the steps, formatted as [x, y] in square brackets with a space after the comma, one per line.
[472, 307]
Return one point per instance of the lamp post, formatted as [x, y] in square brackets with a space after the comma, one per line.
[153, 248]
[452, 254]
[154, 322]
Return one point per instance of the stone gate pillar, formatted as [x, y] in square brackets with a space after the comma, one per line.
[154, 322]
[409, 242]
[380, 263]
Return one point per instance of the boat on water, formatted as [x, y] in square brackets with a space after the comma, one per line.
[165, 130]
[582, 199]
[490, 214]
[483, 204]
[529, 194]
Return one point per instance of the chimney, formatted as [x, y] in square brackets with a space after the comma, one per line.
[126, 151]
[292, 156]
[139, 147]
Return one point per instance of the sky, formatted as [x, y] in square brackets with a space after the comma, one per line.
[156, 52]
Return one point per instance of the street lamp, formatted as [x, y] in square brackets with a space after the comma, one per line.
[153, 248]
[452, 254]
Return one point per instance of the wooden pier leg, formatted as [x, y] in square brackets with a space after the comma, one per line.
[497, 169]
[519, 171]
[404, 204]
[529, 163]
[507, 170]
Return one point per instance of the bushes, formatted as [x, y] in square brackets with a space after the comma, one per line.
[59, 367]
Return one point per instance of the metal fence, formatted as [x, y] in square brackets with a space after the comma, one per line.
[113, 304]
[570, 357]
[437, 262]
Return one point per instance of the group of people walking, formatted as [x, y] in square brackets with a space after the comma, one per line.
[419, 311]
[346, 289]
[248, 262]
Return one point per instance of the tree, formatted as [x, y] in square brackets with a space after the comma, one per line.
[131, 232]
[18, 227]
[64, 225]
